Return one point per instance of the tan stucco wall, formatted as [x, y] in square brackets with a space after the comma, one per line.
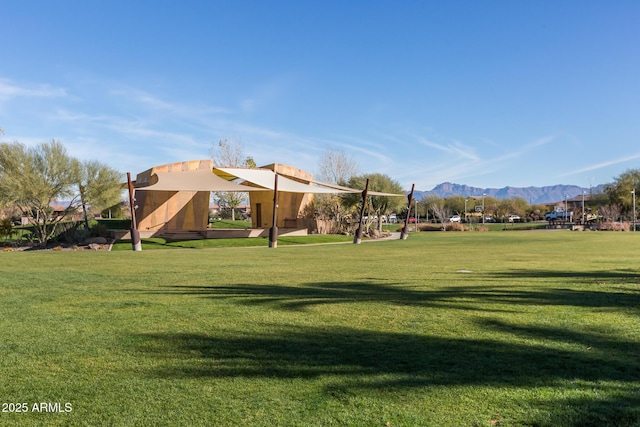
[172, 210]
[189, 210]
[290, 205]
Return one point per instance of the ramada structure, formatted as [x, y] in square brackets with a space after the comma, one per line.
[172, 200]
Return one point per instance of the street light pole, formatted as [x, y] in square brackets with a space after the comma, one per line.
[465, 210]
[583, 207]
[483, 208]
[633, 193]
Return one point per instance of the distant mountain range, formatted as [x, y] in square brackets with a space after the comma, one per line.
[533, 195]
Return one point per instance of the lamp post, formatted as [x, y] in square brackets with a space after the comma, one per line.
[465, 210]
[633, 194]
[483, 208]
[583, 208]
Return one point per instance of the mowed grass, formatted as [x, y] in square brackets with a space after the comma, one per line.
[161, 243]
[443, 329]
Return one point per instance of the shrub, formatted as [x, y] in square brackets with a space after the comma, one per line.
[98, 230]
[6, 228]
[615, 226]
[454, 226]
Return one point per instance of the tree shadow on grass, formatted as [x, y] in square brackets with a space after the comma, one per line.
[602, 371]
[353, 360]
[305, 295]
[626, 276]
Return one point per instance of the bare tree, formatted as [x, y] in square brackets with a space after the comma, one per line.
[229, 153]
[441, 212]
[610, 213]
[335, 167]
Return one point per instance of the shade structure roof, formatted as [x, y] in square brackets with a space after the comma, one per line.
[194, 180]
[243, 180]
[265, 178]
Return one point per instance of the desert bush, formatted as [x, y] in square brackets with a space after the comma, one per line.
[428, 227]
[615, 226]
[454, 226]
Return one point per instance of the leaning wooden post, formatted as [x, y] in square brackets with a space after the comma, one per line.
[136, 245]
[273, 232]
[405, 230]
[357, 239]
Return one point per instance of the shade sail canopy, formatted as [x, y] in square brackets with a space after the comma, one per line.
[194, 180]
[242, 180]
[265, 178]
[352, 190]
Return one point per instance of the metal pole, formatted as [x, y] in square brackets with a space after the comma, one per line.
[483, 208]
[273, 232]
[633, 193]
[465, 210]
[417, 217]
[583, 207]
[357, 239]
[136, 244]
[405, 229]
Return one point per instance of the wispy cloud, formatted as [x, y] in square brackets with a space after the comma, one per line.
[602, 165]
[456, 148]
[9, 90]
[154, 102]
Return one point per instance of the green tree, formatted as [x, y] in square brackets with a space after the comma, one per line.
[33, 177]
[99, 187]
[619, 191]
[376, 206]
[455, 204]
[513, 206]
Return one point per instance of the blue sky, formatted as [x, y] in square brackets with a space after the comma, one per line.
[483, 93]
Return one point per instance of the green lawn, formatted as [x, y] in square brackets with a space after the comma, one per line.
[160, 243]
[443, 329]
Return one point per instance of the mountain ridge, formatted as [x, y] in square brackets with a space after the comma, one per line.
[533, 195]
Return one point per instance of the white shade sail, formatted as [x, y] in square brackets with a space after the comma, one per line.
[194, 180]
[266, 178]
[222, 179]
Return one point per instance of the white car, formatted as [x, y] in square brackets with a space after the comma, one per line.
[455, 218]
[513, 218]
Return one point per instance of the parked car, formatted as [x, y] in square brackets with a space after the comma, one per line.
[455, 218]
[488, 218]
[513, 218]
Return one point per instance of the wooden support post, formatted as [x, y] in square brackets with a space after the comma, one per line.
[136, 244]
[273, 232]
[405, 230]
[357, 239]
